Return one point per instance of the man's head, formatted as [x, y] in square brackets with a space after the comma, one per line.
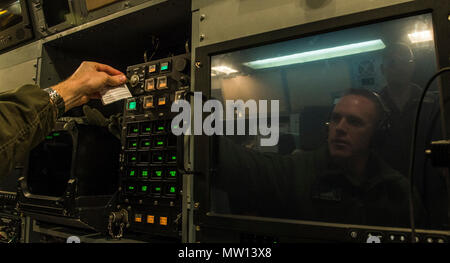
[353, 123]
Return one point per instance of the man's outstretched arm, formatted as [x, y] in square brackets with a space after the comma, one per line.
[29, 113]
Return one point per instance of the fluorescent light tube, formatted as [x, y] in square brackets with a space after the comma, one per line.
[320, 54]
[224, 70]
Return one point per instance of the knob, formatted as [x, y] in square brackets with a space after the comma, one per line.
[134, 80]
[180, 64]
[184, 80]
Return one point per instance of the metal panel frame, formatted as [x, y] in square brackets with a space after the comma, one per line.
[226, 20]
[23, 62]
[8, 38]
[297, 229]
[103, 19]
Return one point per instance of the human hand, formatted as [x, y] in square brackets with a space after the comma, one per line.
[86, 83]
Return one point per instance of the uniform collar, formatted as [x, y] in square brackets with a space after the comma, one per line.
[376, 171]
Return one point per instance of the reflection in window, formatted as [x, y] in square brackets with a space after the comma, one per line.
[353, 167]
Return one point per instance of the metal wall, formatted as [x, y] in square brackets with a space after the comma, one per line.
[20, 66]
[222, 20]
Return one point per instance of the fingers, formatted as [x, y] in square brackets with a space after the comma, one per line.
[117, 80]
[107, 69]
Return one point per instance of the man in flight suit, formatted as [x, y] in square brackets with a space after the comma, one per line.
[342, 182]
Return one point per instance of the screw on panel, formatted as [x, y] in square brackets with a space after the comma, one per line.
[196, 205]
[198, 64]
[202, 37]
[197, 228]
[202, 17]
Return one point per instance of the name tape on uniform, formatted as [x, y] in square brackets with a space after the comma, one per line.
[114, 94]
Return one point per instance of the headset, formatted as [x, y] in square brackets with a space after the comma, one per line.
[384, 124]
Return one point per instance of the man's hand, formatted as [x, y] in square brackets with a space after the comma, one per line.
[86, 83]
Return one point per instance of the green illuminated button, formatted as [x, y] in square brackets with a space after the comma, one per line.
[157, 189]
[56, 134]
[48, 137]
[158, 173]
[147, 143]
[148, 129]
[160, 143]
[144, 188]
[174, 158]
[134, 144]
[133, 158]
[164, 66]
[157, 157]
[132, 105]
[160, 128]
[172, 190]
[144, 173]
[173, 173]
[136, 130]
[131, 188]
[132, 173]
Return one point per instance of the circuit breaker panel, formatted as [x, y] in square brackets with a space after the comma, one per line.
[150, 181]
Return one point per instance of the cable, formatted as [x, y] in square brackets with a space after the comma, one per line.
[155, 43]
[413, 149]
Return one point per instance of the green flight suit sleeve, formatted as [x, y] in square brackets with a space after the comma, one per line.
[26, 117]
[263, 182]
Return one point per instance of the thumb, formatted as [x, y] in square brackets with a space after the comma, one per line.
[117, 80]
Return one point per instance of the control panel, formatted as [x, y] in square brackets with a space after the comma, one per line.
[10, 229]
[150, 182]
